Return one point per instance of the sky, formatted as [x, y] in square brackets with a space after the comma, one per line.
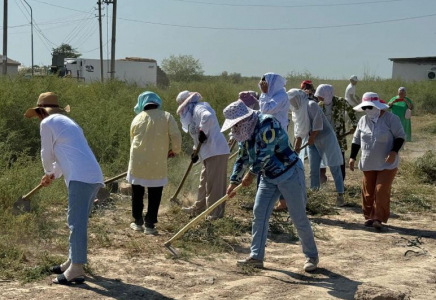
[316, 36]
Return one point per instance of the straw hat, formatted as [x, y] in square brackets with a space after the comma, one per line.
[49, 102]
[371, 99]
[234, 113]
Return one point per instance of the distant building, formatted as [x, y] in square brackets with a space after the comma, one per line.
[414, 68]
[12, 66]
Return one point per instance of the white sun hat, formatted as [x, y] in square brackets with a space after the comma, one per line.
[370, 99]
[234, 113]
[354, 78]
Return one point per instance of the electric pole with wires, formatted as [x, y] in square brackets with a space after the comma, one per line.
[101, 41]
[114, 33]
[5, 37]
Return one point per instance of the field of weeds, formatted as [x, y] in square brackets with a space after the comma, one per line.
[32, 242]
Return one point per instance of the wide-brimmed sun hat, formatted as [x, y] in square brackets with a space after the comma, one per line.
[234, 113]
[49, 102]
[371, 99]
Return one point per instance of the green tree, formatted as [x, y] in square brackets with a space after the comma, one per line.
[182, 67]
[67, 50]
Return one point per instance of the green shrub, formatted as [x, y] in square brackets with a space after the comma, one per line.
[426, 167]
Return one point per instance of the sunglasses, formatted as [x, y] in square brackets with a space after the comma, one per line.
[367, 107]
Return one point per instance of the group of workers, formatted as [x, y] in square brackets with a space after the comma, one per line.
[259, 124]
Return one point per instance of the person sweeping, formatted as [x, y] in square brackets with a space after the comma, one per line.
[65, 151]
[264, 149]
[152, 132]
[199, 119]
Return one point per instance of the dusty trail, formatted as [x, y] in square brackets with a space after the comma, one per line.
[354, 259]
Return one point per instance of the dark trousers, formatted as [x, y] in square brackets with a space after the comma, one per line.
[154, 198]
[324, 170]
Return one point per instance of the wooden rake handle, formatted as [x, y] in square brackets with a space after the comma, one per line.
[186, 174]
[115, 178]
[30, 194]
[197, 219]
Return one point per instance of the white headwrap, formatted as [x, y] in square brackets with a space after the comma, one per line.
[300, 116]
[187, 102]
[325, 91]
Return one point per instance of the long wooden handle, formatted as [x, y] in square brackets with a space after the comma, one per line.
[345, 134]
[30, 194]
[305, 145]
[186, 173]
[199, 217]
[115, 178]
[233, 155]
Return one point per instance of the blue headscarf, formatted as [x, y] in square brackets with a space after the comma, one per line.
[147, 98]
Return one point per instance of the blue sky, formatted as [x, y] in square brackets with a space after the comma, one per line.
[324, 52]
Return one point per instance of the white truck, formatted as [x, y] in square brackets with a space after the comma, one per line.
[140, 71]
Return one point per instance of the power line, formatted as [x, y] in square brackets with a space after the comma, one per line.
[287, 6]
[279, 28]
[46, 23]
[84, 38]
[59, 6]
[72, 32]
[83, 29]
[87, 51]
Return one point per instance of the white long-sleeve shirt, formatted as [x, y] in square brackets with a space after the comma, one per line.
[350, 95]
[204, 118]
[65, 151]
[278, 107]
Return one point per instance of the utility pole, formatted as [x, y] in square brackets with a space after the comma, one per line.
[114, 33]
[101, 41]
[31, 39]
[5, 37]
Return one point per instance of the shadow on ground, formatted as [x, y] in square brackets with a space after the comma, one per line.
[339, 286]
[116, 289]
[386, 229]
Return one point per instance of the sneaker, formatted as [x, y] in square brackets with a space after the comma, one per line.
[136, 227]
[150, 231]
[340, 201]
[311, 264]
[255, 263]
[377, 225]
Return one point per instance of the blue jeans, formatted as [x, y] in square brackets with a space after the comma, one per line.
[315, 164]
[293, 188]
[81, 196]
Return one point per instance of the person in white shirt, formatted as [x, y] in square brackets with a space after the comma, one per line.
[274, 100]
[199, 119]
[65, 151]
[350, 92]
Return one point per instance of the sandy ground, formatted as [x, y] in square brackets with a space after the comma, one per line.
[355, 263]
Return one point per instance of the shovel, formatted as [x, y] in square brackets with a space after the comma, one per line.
[103, 193]
[23, 203]
[174, 197]
[195, 221]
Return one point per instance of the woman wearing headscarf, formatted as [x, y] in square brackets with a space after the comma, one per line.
[402, 106]
[310, 123]
[274, 100]
[153, 133]
[264, 149]
[199, 119]
[380, 135]
[336, 109]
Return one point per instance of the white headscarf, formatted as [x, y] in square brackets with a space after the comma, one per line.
[300, 116]
[325, 91]
[187, 102]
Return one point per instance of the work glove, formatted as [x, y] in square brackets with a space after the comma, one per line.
[202, 137]
[194, 157]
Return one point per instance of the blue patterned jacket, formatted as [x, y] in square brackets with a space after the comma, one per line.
[266, 152]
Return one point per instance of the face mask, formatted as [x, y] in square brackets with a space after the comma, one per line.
[373, 114]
